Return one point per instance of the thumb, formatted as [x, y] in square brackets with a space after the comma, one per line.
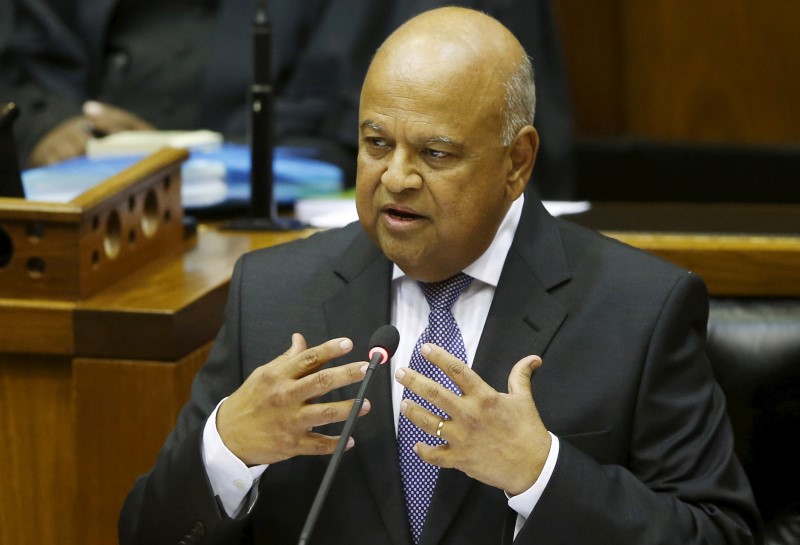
[519, 380]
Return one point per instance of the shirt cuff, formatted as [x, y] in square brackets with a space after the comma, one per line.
[524, 503]
[231, 480]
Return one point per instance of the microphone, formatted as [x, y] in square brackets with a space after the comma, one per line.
[382, 346]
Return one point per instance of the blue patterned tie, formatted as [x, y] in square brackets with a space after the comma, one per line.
[419, 478]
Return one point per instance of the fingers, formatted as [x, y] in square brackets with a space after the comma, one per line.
[326, 380]
[489, 435]
[440, 455]
[424, 419]
[316, 444]
[429, 390]
[313, 443]
[271, 417]
[435, 426]
[64, 141]
[464, 377]
[301, 361]
[319, 414]
[110, 119]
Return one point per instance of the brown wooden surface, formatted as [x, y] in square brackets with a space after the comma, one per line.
[57, 249]
[71, 251]
[146, 200]
[593, 43]
[36, 327]
[744, 266]
[89, 390]
[713, 71]
[38, 211]
[124, 410]
[717, 71]
[37, 450]
[738, 249]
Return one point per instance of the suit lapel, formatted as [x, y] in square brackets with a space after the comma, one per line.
[522, 321]
[524, 316]
[356, 311]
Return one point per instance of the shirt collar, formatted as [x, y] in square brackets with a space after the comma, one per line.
[489, 265]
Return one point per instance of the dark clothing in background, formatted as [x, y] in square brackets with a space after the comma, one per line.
[183, 64]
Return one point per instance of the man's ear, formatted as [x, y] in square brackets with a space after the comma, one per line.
[522, 157]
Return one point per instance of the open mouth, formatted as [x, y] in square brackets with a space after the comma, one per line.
[401, 215]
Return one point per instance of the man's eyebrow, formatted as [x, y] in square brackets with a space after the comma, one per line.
[441, 140]
[369, 124]
[433, 140]
[446, 140]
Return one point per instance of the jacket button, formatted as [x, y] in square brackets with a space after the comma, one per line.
[120, 61]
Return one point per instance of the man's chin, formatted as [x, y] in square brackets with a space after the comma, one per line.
[400, 253]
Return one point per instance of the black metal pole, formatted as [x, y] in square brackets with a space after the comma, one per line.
[263, 206]
[261, 117]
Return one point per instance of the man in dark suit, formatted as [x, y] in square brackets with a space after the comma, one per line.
[619, 437]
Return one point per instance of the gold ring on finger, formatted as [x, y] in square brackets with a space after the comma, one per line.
[439, 429]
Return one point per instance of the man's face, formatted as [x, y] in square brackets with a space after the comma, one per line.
[431, 187]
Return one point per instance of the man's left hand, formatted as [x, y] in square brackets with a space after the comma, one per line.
[496, 438]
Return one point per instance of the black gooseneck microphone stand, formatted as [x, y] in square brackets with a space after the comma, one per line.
[263, 208]
[383, 345]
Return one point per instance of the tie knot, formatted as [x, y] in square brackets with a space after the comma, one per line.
[444, 294]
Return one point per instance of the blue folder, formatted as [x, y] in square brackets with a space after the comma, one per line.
[211, 178]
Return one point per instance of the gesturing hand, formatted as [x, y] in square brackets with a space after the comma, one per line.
[496, 438]
[270, 417]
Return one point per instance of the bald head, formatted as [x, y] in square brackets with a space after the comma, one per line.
[475, 52]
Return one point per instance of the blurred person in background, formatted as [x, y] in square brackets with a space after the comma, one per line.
[79, 68]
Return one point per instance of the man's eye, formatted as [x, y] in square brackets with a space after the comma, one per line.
[436, 154]
[376, 142]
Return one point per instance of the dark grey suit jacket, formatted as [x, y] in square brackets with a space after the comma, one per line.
[646, 450]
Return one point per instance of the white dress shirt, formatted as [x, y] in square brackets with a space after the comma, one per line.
[232, 480]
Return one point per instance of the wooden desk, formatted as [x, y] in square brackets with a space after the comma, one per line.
[89, 390]
[740, 250]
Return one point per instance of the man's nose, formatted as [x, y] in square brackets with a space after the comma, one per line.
[401, 173]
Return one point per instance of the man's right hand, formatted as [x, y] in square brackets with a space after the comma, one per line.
[271, 416]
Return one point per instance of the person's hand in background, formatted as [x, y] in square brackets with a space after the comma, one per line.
[68, 138]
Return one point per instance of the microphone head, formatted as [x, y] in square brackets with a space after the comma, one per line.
[384, 341]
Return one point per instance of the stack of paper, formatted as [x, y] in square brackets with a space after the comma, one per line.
[145, 142]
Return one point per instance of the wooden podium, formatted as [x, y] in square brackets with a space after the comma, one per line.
[106, 313]
[54, 257]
